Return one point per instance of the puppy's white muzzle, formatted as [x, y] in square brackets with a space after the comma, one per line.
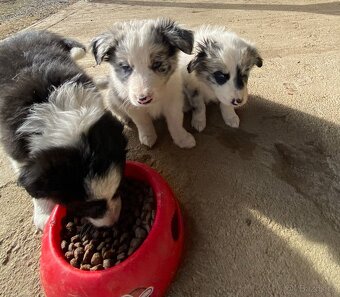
[237, 98]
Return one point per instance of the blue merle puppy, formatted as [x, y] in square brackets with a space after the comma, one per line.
[218, 71]
[145, 81]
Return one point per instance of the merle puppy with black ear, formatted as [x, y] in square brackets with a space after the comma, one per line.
[145, 80]
[218, 71]
[64, 145]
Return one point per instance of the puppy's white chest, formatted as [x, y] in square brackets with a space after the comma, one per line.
[208, 99]
[154, 110]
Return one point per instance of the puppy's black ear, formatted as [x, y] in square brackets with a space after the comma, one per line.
[251, 57]
[103, 47]
[196, 61]
[106, 142]
[31, 179]
[191, 66]
[52, 173]
[180, 38]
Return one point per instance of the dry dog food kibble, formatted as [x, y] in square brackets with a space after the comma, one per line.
[90, 248]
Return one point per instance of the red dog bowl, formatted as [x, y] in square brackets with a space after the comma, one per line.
[147, 272]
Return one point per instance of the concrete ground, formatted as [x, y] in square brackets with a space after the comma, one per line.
[261, 203]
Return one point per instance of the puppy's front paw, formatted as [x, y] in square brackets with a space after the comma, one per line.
[148, 139]
[40, 221]
[198, 123]
[187, 141]
[233, 121]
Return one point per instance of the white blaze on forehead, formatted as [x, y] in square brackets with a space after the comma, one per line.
[139, 43]
[135, 51]
[104, 187]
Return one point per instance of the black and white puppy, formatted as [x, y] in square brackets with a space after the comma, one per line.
[66, 147]
[218, 71]
[145, 80]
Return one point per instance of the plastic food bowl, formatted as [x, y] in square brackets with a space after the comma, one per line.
[147, 272]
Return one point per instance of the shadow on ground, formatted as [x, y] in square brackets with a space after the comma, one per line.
[252, 188]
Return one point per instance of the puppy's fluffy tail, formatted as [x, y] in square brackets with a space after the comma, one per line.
[77, 53]
[75, 48]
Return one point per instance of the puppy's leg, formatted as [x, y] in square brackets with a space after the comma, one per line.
[174, 117]
[42, 211]
[229, 116]
[198, 120]
[146, 131]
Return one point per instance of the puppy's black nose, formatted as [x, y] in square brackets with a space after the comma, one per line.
[142, 99]
[236, 101]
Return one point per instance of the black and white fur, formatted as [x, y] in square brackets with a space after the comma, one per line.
[218, 71]
[145, 81]
[66, 147]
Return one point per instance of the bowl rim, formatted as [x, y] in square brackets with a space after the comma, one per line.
[160, 188]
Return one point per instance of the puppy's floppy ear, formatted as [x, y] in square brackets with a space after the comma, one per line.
[52, 173]
[103, 46]
[107, 141]
[180, 38]
[192, 65]
[31, 179]
[251, 57]
[196, 61]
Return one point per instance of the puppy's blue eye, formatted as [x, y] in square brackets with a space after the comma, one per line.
[126, 68]
[220, 77]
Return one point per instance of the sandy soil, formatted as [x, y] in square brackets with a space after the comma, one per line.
[261, 203]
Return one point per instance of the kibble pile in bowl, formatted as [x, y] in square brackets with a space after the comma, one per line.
[90, 248]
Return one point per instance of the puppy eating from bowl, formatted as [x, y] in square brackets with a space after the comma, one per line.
[65, 146]
[145, 80]
[217, 71]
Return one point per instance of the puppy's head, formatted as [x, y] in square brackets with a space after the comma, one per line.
[223, 61]
[84, 176]
[143, 55]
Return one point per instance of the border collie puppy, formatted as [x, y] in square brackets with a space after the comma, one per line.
[218, 71]
[64, 145]
[145, 81]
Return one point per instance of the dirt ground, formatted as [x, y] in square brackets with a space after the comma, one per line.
[261, 203]
[18, 14]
